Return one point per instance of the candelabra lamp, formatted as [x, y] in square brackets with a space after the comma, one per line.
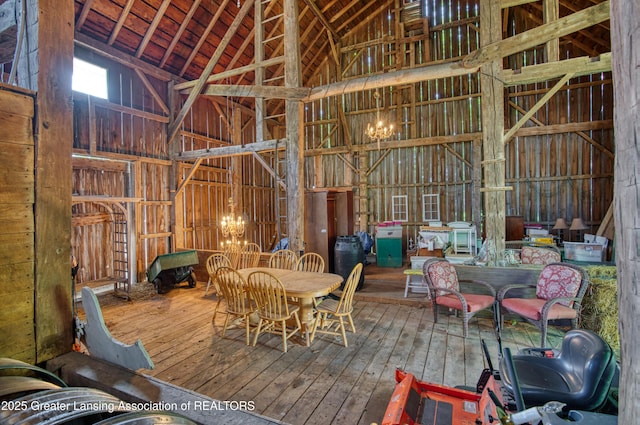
[231, 226]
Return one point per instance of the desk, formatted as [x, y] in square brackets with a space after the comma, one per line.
[306, 286]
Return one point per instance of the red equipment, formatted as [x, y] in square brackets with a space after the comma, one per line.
[419, 402]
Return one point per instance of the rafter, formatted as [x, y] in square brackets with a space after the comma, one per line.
[203, 38]
[539, 35]
[547, 71]
[86, 8]
[197, 89]
[323, 19]
[178, 34]
[120, 23]
[231, 72]
[152, 27]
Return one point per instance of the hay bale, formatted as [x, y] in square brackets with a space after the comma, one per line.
[600, 305]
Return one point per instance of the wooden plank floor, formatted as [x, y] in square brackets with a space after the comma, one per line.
[322, 384]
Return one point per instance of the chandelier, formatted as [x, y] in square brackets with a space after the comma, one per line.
[230, 226]
[378, 131]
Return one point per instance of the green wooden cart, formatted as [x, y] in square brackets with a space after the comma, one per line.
[168, 270]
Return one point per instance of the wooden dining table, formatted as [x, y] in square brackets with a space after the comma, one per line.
[305, 286]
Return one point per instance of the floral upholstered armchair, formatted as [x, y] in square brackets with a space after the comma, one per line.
[539, 255]
[559, 292]
[444, 290]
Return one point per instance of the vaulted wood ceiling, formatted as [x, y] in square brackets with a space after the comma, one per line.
[180, 36]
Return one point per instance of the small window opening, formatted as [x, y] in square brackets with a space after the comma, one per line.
[89, 78]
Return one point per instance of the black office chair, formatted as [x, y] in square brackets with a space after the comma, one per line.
[581, 375]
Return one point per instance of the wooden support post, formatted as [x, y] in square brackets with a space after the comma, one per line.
[295, 130]
[363, 203]
[175, 195]
[236, 161]
[46, 67]
[493, 127]
[625, 38]
[550, 12]
[476, 179]
[259, 71]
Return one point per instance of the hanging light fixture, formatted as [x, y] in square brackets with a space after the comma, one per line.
[232, 226]
[378, 131]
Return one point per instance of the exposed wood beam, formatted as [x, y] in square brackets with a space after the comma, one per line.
[294, 109]
[574, 6]
[248, 41]
[542, 34]
[371, 14]
[580, 133]
[129, 110]
[529, 74]
[187, 178]
[397, 144]
[232, 72]
[405, 76]
[259, 104]
[492, 121]
[226, 101]
[152, 90]
[178, 34]
[223, 114]
[203, 37]
[512, 3]
[550, 13]
[457, 155]
[564, 128]
[97, 198]
[539, 104]
[547, 71]
[120, 23]
[152, 27]
[115, 55]
[197, 89]
[86, 8]
[269, 170]
[334, 50]
[590, 49]
[378, 162]
[271, 92]
[347, 162]
[323, 19]
[267, 145]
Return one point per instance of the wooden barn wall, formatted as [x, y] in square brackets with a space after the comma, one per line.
[17, 226]
[204, 201]
[562, 165]
[559, 165]
[120, 150]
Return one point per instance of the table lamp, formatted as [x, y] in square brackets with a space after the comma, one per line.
[578, 225]
[561, 225]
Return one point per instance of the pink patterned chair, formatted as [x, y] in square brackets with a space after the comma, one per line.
[559, 292]
[539, 255]
[444, 290]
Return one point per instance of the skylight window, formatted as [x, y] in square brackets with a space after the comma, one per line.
[89, 78]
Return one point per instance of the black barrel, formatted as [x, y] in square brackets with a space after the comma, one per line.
[347, 253]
